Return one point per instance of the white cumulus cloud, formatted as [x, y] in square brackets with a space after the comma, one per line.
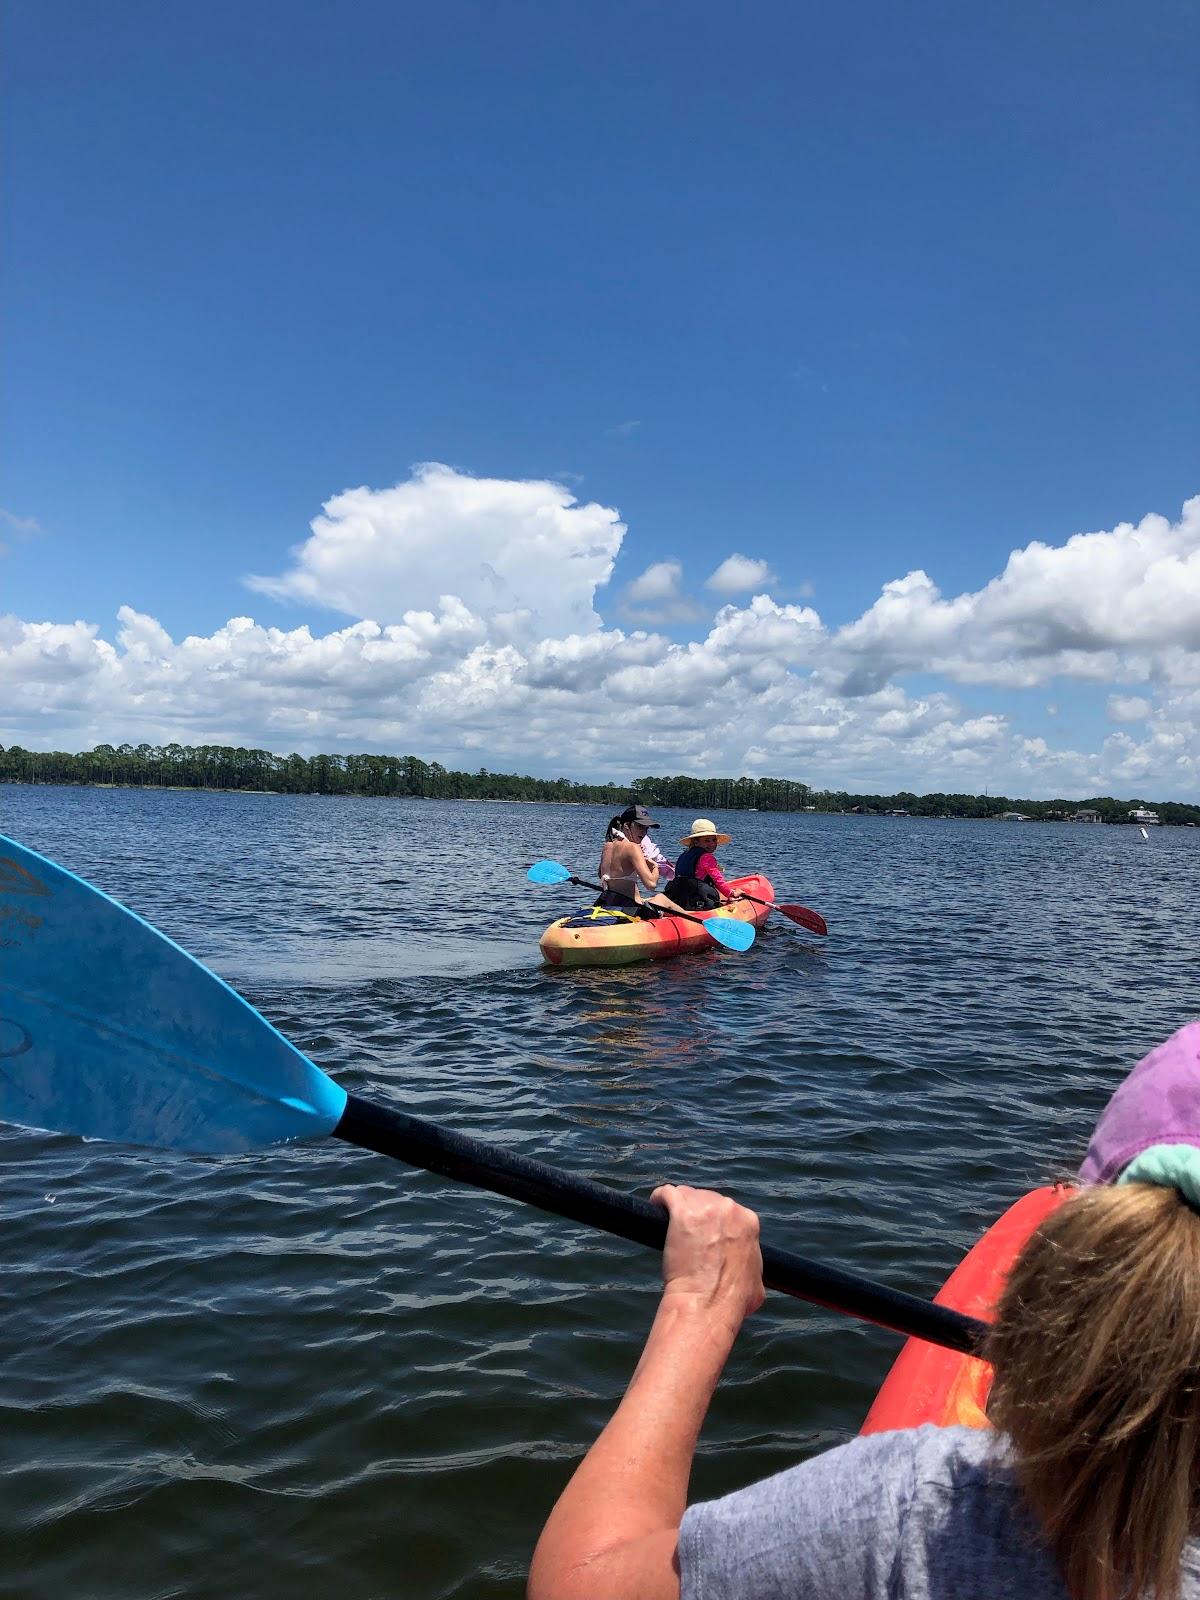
[521, 550]
[1128, 708]
[656, 596]
[739, 575]
[660, 581]
[447, 583]
[1106, 605]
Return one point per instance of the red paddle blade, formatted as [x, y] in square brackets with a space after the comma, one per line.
[812, 920]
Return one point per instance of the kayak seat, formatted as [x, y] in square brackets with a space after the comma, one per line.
[597, 917]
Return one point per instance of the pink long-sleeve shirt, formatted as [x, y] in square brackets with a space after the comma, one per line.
[707, 867]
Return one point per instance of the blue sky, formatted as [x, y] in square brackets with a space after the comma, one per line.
[850, 292]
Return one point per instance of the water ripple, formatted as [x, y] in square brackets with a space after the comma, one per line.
[270, 1373]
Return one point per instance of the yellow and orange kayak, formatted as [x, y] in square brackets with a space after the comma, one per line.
[929, 1384]
[604, 939]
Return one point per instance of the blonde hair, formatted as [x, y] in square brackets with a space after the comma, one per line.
[1096, 1348]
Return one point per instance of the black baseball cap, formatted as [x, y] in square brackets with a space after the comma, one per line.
[639, 814]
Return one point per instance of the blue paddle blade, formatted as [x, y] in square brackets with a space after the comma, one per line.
[549, 872]
[732, 933]
[108, 1029]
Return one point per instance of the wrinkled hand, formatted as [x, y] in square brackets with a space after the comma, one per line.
[711, 1257]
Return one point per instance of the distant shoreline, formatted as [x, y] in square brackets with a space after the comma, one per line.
[233, 769]
[880, 810]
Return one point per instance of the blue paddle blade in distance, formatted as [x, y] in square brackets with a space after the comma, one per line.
[549, 872]
[731, 932]
[109, 1030]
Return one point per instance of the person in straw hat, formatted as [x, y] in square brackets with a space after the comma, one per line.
[698, 884]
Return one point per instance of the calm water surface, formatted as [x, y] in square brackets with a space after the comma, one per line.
[313, 1371]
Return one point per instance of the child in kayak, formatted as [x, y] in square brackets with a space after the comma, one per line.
[698, 884]
[1087, 1487]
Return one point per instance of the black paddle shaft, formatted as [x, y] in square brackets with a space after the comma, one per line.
[456, 1155]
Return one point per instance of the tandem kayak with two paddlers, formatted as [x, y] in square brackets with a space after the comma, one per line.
[596, 937]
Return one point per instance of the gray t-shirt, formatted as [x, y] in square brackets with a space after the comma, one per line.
[922, 1514]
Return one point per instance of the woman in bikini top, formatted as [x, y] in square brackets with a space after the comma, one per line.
[624, 868]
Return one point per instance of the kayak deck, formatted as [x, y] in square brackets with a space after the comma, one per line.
[930, 1384]
[621, 943]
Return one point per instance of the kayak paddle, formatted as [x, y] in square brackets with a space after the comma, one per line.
[812, 920]
[729, 931]
[108, 1030]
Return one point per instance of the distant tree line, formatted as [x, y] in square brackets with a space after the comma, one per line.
[904, 803]
[211, 766]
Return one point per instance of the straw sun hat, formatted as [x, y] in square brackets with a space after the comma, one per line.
[702, 828]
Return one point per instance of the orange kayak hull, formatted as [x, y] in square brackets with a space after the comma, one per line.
[609, 945]
[929, 1384]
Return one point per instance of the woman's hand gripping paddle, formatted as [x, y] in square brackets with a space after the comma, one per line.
[812, 920]
[108, 1030]
[727, 931]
